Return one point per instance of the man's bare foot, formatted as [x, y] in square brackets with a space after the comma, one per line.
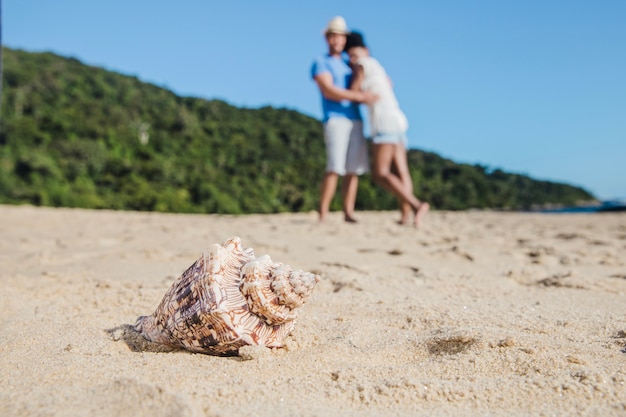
[420, 213]
[349, 219]
[404, 220]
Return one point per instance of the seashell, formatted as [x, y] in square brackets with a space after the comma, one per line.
[228, 299]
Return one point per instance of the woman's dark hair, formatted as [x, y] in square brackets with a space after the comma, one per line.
[354, 39]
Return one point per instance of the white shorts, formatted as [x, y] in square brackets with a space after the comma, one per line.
[346, 148]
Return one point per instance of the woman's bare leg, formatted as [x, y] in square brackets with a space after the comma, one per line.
[400, 167]
[383, 158]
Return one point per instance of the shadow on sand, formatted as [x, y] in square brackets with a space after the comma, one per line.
[135, 341]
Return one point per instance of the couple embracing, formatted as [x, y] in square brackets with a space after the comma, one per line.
[346, 76]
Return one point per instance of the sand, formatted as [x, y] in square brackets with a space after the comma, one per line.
[475, 314]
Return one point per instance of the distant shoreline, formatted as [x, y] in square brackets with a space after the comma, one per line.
[597, 207]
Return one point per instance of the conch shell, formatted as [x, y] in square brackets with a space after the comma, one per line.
[228, 299]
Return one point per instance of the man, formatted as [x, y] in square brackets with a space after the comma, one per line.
[346, 148]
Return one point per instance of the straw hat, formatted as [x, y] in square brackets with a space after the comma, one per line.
[336, 25]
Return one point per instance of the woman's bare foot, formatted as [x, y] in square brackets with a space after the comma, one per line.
[420, 213]
[349, 219]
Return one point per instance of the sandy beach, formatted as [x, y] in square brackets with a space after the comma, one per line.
[475, 314]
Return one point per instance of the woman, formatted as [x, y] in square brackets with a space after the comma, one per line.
[388, 127]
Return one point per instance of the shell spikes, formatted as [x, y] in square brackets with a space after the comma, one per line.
[228, 299]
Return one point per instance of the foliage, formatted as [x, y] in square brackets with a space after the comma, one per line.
[80, 136]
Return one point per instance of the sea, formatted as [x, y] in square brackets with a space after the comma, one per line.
[602, 207]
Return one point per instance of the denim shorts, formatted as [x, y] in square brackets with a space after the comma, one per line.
[391, 138]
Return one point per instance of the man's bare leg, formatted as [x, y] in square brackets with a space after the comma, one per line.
[329, 186]
[349, 187]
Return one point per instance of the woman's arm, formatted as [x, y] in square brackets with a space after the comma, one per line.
[357, 78]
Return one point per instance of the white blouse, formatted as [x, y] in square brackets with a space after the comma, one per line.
[385, 115]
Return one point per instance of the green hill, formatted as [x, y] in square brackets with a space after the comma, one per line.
[80, 136]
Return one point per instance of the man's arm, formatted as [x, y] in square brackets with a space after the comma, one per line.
[331, 92]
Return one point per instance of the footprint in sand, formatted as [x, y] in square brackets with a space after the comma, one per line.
[127, 397]
[451, 343]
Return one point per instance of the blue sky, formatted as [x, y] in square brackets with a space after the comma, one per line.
[536, 87]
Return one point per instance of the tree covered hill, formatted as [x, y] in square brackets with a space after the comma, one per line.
[80, 136]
